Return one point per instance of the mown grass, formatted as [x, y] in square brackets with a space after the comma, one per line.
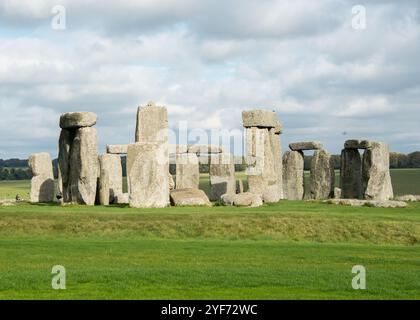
[288, 250]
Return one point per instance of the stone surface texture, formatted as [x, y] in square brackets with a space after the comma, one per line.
[187, 171]
[222, 175]
[351, 174]
[117, 148]
[245, 199]
[322, 177]
[305, 145]
[189, 197]
[111, 164]
[76, 120]
[42, 183]
[293, 175]
[259, 118]
[147, 171]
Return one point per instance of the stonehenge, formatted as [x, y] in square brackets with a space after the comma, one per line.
[42, 182]
[78, 158]
[366, 177]
[87, 178]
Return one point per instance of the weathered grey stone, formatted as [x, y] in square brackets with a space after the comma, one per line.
[152, 124]
[104, 193]
[246, 199]
[84, 166]
[122, 198]
[259, 118]
[177, 148]
[171, 182]
[8, 202]
[278, 129]
[187, 171]
[111, 164]
[369, 203]
[189, 197]
[42, 183]
[408, 197]
[205, 149]
[222, 175]
[351, 174]
[305, 145]
[293, 175]
[357, 144]
[117, 148]
[322, 178]
[376, 178]
[147, 171]
[337, 193]
[65, 143]
[75, 120]
[262, 177]
[277, 163]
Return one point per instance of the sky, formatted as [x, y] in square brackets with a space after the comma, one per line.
[332, 69]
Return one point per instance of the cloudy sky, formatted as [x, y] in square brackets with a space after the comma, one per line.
[328, 77]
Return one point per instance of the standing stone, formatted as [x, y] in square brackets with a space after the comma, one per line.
[171, 182]
[263, 154]
[239, 186]
[377, 183]
[147, 169]
[222, 175]
[84, 166]
[111, 164]
[42, 183]
[65, 143]
[104, 187]
[293, 175]
[277, 160]
[322, 177]
[351, 174]
[152, 124]
[187, 171]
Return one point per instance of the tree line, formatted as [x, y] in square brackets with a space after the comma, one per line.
[17, 169]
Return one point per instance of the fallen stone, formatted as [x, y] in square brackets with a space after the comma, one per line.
[42, 182]
[351, 174]
[75, 120]
[293, 175]
[8, 202]
[117, 148]
[189, 197]
[84, 166]
[305, 145]
[246, 199]
[152, 123]
[187, 171]
[322, 178]
[222, 175]
[376, 178]
[408, 197]
[259, 118]
[147, 171]
[368, 203]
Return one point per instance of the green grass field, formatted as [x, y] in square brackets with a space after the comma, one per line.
[289, 250]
